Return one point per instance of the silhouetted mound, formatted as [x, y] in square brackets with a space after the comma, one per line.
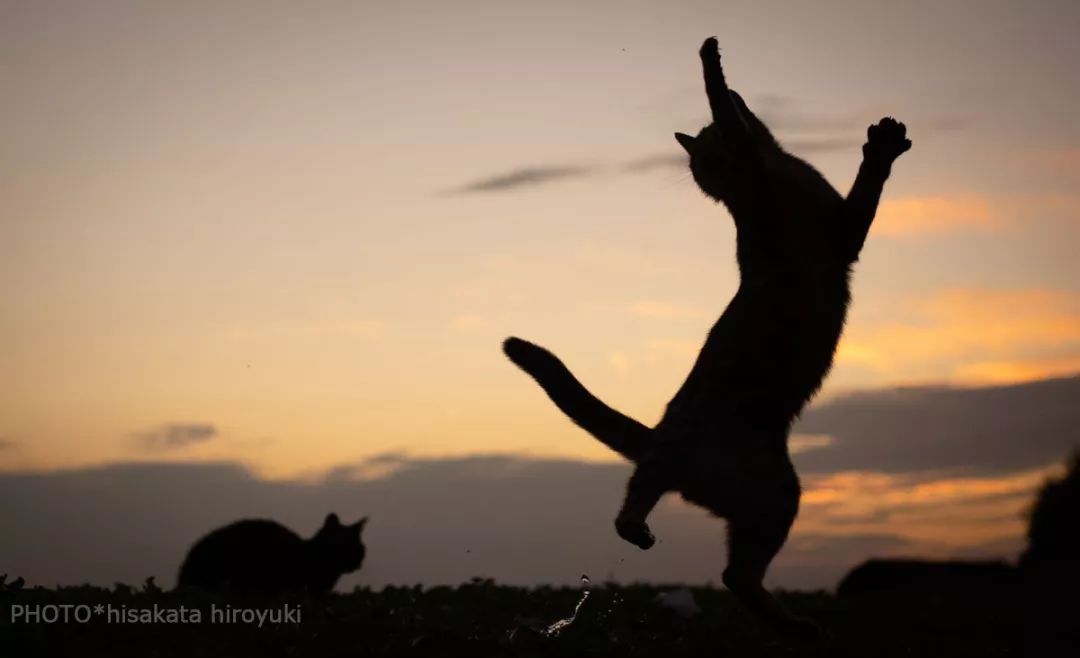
[1051, 566]
[1054, 528]
[928, 576]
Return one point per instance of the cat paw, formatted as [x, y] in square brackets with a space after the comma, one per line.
[711, 48]
[886, 140]
[635, 532]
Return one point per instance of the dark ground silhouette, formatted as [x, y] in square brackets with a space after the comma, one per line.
[1054, 527]
[1051, 564]
[484, 620]
[1045, 580]
[898, 576]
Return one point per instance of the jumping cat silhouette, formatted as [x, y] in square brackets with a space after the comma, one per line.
[265, 557]
[722, 441]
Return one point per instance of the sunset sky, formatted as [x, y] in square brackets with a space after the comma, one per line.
[292, 236]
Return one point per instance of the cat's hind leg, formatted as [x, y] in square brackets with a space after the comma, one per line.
[753, 542]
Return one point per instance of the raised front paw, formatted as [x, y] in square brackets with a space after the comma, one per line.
[886, 140]
[635, 532]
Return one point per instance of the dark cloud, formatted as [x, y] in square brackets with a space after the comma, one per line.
[433, 521]
[520, 521]
[523, 177]
[798, 146]
[970, 430]
[176, 435]
[801, 131]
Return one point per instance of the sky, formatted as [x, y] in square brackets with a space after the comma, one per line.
[285, 239]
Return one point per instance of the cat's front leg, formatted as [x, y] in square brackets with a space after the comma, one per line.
[642, 493]
[885, 142]
[659, 470]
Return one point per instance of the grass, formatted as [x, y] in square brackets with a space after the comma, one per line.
[485, 619]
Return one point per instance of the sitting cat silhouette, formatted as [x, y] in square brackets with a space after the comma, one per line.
[265, 557]
[722, 441]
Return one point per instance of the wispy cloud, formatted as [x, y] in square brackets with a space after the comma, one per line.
[658, 309]
[172, 436]
[803, 145]
[800, 131]
[330, 329]
[784, 114]
[803, 442]
[1063, 161]
[1017, 370]
[656, 161]
[361, 328]
[523, 177]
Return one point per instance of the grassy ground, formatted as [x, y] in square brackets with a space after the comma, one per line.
[484, 619]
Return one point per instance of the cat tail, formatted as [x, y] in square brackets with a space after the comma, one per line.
[619, 432]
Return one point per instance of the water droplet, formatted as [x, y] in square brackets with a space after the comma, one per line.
[559, 626]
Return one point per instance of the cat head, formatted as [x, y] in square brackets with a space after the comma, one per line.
[723, 150]
[339, 544]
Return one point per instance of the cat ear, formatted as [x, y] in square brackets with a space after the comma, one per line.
[687, 142]
[332, 521]
[359, 525]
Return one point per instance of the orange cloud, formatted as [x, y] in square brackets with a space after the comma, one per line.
[1001, 372]
[949, 513]
[917, 216]
[804, 442]
[921, 215]
[975, 335]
